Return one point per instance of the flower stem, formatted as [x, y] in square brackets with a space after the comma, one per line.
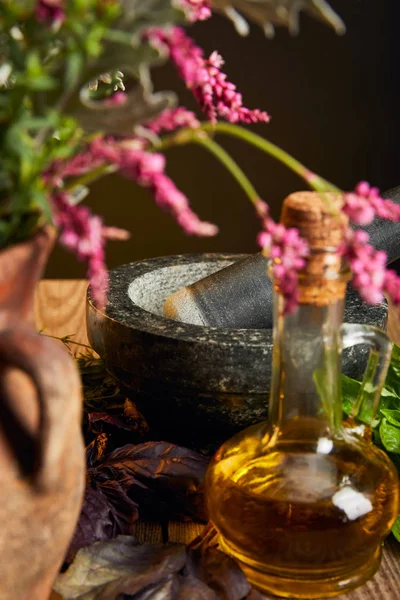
[230, 165]
[65, 340]
[91, 176]
[314, 181]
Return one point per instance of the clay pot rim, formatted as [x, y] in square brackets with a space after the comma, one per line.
[130, 315]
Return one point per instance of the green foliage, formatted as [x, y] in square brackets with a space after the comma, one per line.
[53, 80]
[396, 529]
[388, 412]
[386, 424]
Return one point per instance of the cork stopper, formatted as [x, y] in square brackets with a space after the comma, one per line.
[322, 224]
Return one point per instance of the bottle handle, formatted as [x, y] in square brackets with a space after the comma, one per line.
[367, 401]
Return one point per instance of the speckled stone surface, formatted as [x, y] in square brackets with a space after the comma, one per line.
[195, 385]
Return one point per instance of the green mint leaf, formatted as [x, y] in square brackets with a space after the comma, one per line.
[390, 436]
[73, 69]
[392, 382]
[396, 529]
[350, 390]
[393, 416]
[40, 201]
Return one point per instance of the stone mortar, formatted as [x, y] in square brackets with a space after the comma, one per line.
[195, 385]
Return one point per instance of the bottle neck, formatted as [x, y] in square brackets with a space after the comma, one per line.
[306, 370]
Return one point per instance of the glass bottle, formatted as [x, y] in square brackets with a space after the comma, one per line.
[304, 501]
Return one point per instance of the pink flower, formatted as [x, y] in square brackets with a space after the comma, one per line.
[368, 266]
[173, 118]
[392, 286]
[84, 234]
[365, 203]
[370, 276]
[287, 251]
[50, 11]
[215, 95]
[196, 10]
[77, 165]
[116, 99]
[147, 169]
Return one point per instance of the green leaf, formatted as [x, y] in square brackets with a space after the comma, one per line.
[393, 377]
[34, 66]
[393, 416]
[350, 391]
[73, 69]
[396, 529]
[40, 201]
[389, 399]
[35, 123]
[390, 436]
[39, 83]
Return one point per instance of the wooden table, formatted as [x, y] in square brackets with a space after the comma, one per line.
[60, 311]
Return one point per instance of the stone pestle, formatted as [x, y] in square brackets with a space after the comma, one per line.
[240, 296]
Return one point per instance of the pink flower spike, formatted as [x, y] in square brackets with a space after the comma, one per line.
[195, 10]
[84, 234]
[367, 265]
[171, 119]
[216, 96]
[392, 286]
[363, 189]
[365, 203]
[147, 169]
[287, 251]
[262, 208]
[216, 60]
[116, 99]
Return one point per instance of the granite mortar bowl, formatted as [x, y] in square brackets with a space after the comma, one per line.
[195, 385]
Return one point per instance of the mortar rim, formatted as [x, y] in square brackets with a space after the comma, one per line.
[136, 318]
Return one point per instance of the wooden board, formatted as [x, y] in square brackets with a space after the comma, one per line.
[60, 311]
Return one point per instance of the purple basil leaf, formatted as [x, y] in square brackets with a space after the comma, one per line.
[96, 522]
[164, 479]
[217, 570]
[106, 513]
[125, 509]
[109, 570]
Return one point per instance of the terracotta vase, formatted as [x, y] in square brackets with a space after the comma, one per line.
[41, 446]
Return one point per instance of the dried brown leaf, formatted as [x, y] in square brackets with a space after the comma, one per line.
[109, 570]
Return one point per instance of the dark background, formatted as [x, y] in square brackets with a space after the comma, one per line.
[334, 103]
